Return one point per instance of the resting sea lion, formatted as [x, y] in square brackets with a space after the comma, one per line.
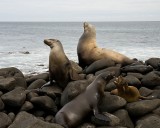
[88, 51]
[73, 113]
[129, 93]
[60, 68]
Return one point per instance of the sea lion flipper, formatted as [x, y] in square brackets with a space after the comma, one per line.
[47, 84]
[102, 117]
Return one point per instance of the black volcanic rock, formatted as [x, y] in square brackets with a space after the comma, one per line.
[140, 108]
[15, 98]
[111, 103]
[149, 121]
[143, 69]
[114, 70]
[1, 105]
[5, 121]
[26, 120]
[11, 78]
[36, 84]
[44, 76]
[44, 102]
[72, 90]
[154, 62]
[125, 119]
[99, 65]
[151, 80]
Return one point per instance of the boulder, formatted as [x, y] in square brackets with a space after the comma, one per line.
[99, 65]
[26, 120]
[44, 76]
[154, 62]
[36, 84]
[50, 118]
[11, 115]
[31, 94]
[110, 86]
[1, 105]
[27, 106]
[125, 119]
[114, 120]
[14, 98]
[157, 111]
[12, 78]
[149, 121]
[1, 93]
[142, 107]
[110, 103]
[111, 127]
[44, 102]
[5, 121]
[133, 81]
[145, 91]
[137, 75]
[72, 90]
[86, 125]
[52, 91]
[155, 94]
[143, 69]
[114, 70]
[151, 80]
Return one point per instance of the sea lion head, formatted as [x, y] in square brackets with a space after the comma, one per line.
[53, 43]
[107, 76]
[89, 29]
[120, 81]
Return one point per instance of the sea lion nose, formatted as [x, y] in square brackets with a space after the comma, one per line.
[45, 41]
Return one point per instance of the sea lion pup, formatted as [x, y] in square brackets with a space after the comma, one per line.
[60, 68]
[88, 50]
[129, 93]
[73, 113]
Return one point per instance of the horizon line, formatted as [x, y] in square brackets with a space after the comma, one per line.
[90, 21]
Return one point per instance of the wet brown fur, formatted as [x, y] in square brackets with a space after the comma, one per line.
[129, 93]
[89, 52]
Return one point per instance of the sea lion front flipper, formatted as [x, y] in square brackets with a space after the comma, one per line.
[47, 84]
[101, 116]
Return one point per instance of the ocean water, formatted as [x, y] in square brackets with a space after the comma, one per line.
[139, 40]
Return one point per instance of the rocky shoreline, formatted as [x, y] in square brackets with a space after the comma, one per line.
[23, 104]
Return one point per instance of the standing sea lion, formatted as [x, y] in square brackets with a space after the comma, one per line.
[88, 51]
[60, 68]
[73, 113]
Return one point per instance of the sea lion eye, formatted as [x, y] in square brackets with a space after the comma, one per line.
[58, 41]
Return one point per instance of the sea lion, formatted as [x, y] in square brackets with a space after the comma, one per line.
[60, 68]
[73, 113]
[88, 50]
[129, 93]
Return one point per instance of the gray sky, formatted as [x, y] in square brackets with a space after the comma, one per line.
[79, 10]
